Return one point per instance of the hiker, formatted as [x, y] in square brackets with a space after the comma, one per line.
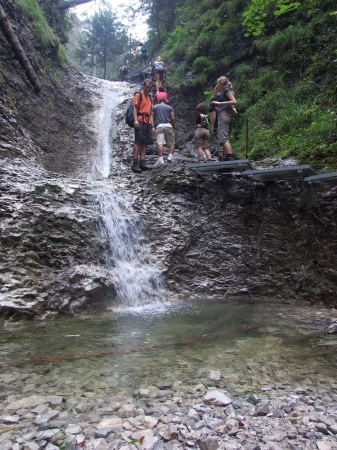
[158, 69]
[141, 54]
[123, 71]
[202, 135]
[164, 121]
[143, 125]
[161, 94]
[226, 98]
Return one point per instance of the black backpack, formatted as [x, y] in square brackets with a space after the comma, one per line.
[206, 121]
[144, 49]
[129, 120]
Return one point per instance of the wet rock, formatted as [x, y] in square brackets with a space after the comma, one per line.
[170, 433]
[9, 420]
[149, 442]
[31, 446]
[215, 375]
[208, 443]
[149, 422]
[114, 424]
[50, 446]
[144, 393]
[217, 398]
[44, 418]
[127, 410]
[262, 410]
[165, 384]
[324, 445]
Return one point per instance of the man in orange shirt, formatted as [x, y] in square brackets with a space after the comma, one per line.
[143, 124]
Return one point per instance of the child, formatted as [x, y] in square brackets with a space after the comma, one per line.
[202, 135]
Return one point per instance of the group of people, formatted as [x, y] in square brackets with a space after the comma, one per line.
[158, 121]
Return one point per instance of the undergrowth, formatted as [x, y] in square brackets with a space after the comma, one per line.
[285, 82]
[47, 36]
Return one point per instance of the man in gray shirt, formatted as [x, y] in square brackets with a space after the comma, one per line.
[164, 122]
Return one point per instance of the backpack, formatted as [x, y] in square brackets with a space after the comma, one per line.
[129, 120]
[144, 49]
[206, 121]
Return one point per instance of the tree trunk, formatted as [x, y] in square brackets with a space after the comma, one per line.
[105, 56]
[64, 4]
[20, 54]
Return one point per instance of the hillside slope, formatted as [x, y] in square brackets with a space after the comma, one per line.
[282, 59]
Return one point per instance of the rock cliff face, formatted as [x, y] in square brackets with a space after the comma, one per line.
[231, 244]
[51, 254]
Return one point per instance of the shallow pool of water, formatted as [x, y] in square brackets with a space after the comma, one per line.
[256, 347]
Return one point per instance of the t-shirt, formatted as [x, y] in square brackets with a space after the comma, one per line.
[206, 120]
[162, 114]
[144, 107]
[223, 98]
[160, 95]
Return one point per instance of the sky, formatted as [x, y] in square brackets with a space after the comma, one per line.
[119, 6]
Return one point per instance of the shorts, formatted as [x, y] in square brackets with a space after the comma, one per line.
[165, 135]
[223, 126]
[202, 138]
[143, 133]
[159, 69]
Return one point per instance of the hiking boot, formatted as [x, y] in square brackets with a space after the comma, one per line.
[170, 157]
[135, 167]
[142, 165]
[229, 157]
[220, 158]
[159, 163]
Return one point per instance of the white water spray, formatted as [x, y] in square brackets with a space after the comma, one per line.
[106, 131]
[138, 280]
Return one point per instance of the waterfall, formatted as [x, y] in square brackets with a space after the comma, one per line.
[138, 280]
[105, 118]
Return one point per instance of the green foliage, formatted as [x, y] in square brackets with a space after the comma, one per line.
[104, 38]
[285, 6]
[259, 10]
[200, 79]
[48, 37]
[243, 72]
[32, 10]
[200, 63]
[52, 188]
[285, 81]
[11, 100]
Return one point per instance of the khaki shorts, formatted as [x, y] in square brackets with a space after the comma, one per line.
[202, 138]
[223, 127]
[165, 135]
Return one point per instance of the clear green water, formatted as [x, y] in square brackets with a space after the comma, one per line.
[120, 351]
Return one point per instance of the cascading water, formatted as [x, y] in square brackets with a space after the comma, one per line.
[137, 278]
[106, 131]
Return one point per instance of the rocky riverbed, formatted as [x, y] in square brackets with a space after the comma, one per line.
[174, 415]
[251, 392]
